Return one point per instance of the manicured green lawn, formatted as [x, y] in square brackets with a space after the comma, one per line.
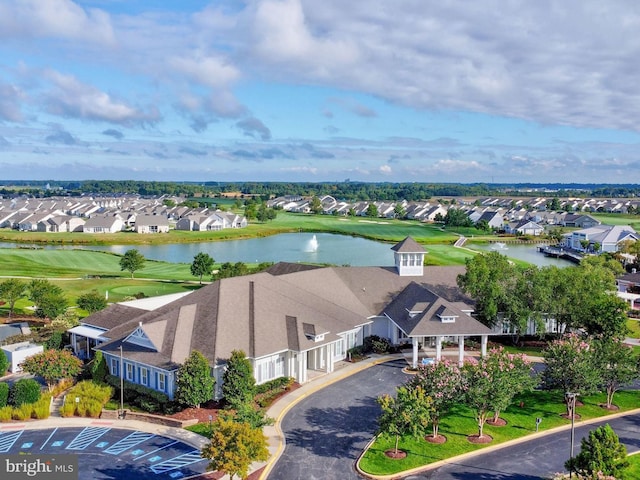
[633, 471]
[617, 219]
[79, 263]
[460, 423]
[634, 327]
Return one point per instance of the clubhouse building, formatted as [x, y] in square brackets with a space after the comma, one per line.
[290, 320]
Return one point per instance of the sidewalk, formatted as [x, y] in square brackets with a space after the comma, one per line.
[190, 438]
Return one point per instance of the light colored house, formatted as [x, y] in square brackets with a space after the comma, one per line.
[152, 224]
[494, 219]
[609, 237]
[524, 227]
[291, 320]
[103, 224]
[61, 223]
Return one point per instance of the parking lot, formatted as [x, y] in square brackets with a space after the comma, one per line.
[110, 453]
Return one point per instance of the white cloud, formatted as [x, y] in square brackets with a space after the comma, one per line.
[385, 169]
[72, 98]
[54, 18]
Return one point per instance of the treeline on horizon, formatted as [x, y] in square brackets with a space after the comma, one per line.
[347, 190]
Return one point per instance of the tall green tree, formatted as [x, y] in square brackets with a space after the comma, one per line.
[132, 261]
[601, 453]
[409, 413]
[372, 211]
[617, 364]
[48, 298]
[194, 383]
[52, 365]
[11, 291]
[488, 279]
[571, 367]
[202, 265]
[238, 385]
[92, 301]
[315, 205]
[234, 446]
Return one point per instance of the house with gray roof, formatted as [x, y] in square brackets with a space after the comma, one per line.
[290, 320]
[608, 237]
[151, 224]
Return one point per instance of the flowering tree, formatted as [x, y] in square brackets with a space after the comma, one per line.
[52, 365]
[511, 374]
[571, 366]
[408, 413]
[493, 381]
[442, 381]
[617, 365]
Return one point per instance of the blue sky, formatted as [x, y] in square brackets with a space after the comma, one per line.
[307, 90]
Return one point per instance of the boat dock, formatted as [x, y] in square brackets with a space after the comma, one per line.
[558, 252]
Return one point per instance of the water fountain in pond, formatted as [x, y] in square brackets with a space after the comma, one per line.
[499, 246]
[312, 245]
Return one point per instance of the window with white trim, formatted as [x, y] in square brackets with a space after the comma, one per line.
[144, 376]
[114, 367]
[162, 382]
[129, 370]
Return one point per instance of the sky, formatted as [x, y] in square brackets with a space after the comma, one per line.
[492, 91]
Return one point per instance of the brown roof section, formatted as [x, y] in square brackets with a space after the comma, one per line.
[428, 322]
[266, 313]
[408, 245]
[112, 316]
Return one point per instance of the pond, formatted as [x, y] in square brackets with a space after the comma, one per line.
[286, 247]
[293, 247]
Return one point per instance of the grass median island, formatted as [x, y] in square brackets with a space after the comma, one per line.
[461, 422]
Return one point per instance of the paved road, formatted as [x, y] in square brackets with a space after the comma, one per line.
[535, 459]
[327, 431]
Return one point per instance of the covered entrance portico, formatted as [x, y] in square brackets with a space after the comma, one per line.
[438, 339]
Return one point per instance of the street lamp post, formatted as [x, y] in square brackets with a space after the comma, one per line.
[572, 399]
[121, 385]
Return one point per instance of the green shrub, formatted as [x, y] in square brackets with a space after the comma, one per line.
[55, 341]
[280, 383]
[68, 409]
[23, 412]
[4, 394]
[41, 409]
[25, 390]
[268, 391]
[140, 396]
[99, 369]
[376, 344]
[5, 413]
[4, 363]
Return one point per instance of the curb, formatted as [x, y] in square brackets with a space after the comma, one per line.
[464, 456]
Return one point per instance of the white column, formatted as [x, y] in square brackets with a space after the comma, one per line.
[414, 342]
[329, 366]
[302, 367]
[483, 345]
[460, 350]
[438, 348]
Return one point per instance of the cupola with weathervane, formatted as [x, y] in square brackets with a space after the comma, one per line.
[409, 257]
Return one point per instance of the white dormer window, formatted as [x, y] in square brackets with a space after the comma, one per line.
[451, 319]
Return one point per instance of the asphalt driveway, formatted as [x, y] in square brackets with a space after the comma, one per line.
[327, 431]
